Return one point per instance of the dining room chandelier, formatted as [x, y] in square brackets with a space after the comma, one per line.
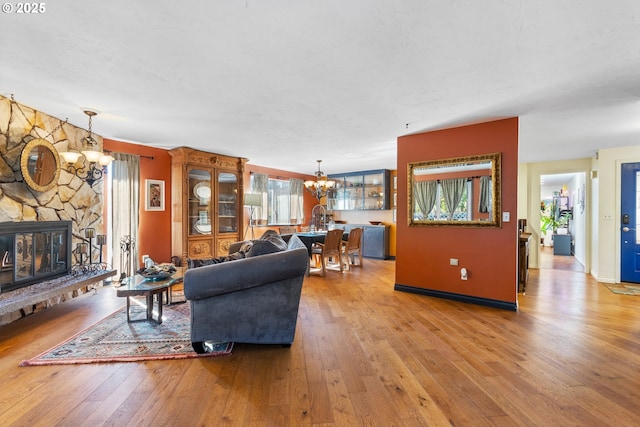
[321, 185]
[96, 162]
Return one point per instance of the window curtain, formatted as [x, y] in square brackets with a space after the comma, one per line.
[296, 187]
[259, 185]
[279, 202]
[125, 211]
[425, 193]
[452, 192]
[484, 204]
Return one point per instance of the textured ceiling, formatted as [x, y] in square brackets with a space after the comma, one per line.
[287, 82]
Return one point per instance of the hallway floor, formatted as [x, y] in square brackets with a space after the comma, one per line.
[558, 262]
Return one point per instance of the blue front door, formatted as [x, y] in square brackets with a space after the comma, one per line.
[630, 245]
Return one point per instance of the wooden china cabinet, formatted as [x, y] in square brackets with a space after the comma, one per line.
[207, 205]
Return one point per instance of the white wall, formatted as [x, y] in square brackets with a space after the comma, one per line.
[579, 223]
[593, 206]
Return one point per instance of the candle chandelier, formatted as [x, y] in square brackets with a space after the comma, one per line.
[321, 185]
[95, 163]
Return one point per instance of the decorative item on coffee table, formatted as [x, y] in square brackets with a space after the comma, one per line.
[157, 271]
[148, 282]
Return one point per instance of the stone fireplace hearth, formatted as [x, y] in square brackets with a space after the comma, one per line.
[36, 270]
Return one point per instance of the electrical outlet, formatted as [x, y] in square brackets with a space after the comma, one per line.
[453, 261]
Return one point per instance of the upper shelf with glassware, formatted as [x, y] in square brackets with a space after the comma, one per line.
[366, 190]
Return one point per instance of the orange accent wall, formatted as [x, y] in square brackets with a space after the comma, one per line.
[154, 232]
[488, 254]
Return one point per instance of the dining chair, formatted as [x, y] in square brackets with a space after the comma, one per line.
[331, 248]
[287, 230]
[353, 247]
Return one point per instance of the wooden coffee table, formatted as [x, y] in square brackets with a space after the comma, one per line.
[140, 286]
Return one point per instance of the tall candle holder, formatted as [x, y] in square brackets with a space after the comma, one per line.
[82, 249]
[90, 233]
[101, 239]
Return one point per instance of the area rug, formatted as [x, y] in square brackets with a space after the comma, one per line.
[113, 339]
[623, 288]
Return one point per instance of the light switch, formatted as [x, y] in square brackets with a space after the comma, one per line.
[506, 216]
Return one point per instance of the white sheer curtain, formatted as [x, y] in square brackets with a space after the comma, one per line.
[425, 193]
[484, 204]
[453, 190]
[259, 184]
[279, 202]
[125, 209]
[296, 187]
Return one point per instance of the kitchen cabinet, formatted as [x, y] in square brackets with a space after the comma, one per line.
[367, 190]
[375, 239]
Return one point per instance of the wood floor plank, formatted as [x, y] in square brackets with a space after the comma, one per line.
[364, 355]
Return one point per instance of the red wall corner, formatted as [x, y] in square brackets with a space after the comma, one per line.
[489, 254]
[154, 231]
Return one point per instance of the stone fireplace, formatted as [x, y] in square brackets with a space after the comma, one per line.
[71, 200]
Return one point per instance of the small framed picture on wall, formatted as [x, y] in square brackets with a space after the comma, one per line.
[154, 197]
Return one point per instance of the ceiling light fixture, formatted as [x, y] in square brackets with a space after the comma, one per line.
[89, 171]
[321, 185]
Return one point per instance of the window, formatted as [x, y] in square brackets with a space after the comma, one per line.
[440, 210]
[279, 205]
[282, 200]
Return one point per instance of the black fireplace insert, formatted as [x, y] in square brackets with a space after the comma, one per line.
[33, 251]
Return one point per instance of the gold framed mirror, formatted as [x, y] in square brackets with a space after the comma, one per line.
[40, 165]
[471, 185]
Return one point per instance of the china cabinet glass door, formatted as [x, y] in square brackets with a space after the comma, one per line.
[360, 191]
[227, 203]
[199, 201]
[374, 191]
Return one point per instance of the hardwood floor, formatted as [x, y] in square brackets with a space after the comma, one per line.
[364, 355]
[558, 262]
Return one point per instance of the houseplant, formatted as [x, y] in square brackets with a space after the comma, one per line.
[550, 222]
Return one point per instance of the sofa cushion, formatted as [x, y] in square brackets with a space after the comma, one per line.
[270, 242]
[295, 242]
[246, 246]
[240, 254]
[195, 263]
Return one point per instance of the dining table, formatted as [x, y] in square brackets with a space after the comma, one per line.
[311, 237]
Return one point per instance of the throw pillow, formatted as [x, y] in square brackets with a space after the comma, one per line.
[268, 243]
[295, 243]
[241, 254]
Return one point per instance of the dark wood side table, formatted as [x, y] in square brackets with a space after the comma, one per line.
[523, 261]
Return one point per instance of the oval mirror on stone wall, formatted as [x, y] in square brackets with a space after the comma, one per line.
[40, 165]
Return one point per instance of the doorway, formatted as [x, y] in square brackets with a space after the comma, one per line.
[563, 216]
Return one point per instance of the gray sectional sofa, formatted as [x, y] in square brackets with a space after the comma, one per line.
[249, 297]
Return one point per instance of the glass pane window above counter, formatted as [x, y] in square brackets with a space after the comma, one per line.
[366, 190]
